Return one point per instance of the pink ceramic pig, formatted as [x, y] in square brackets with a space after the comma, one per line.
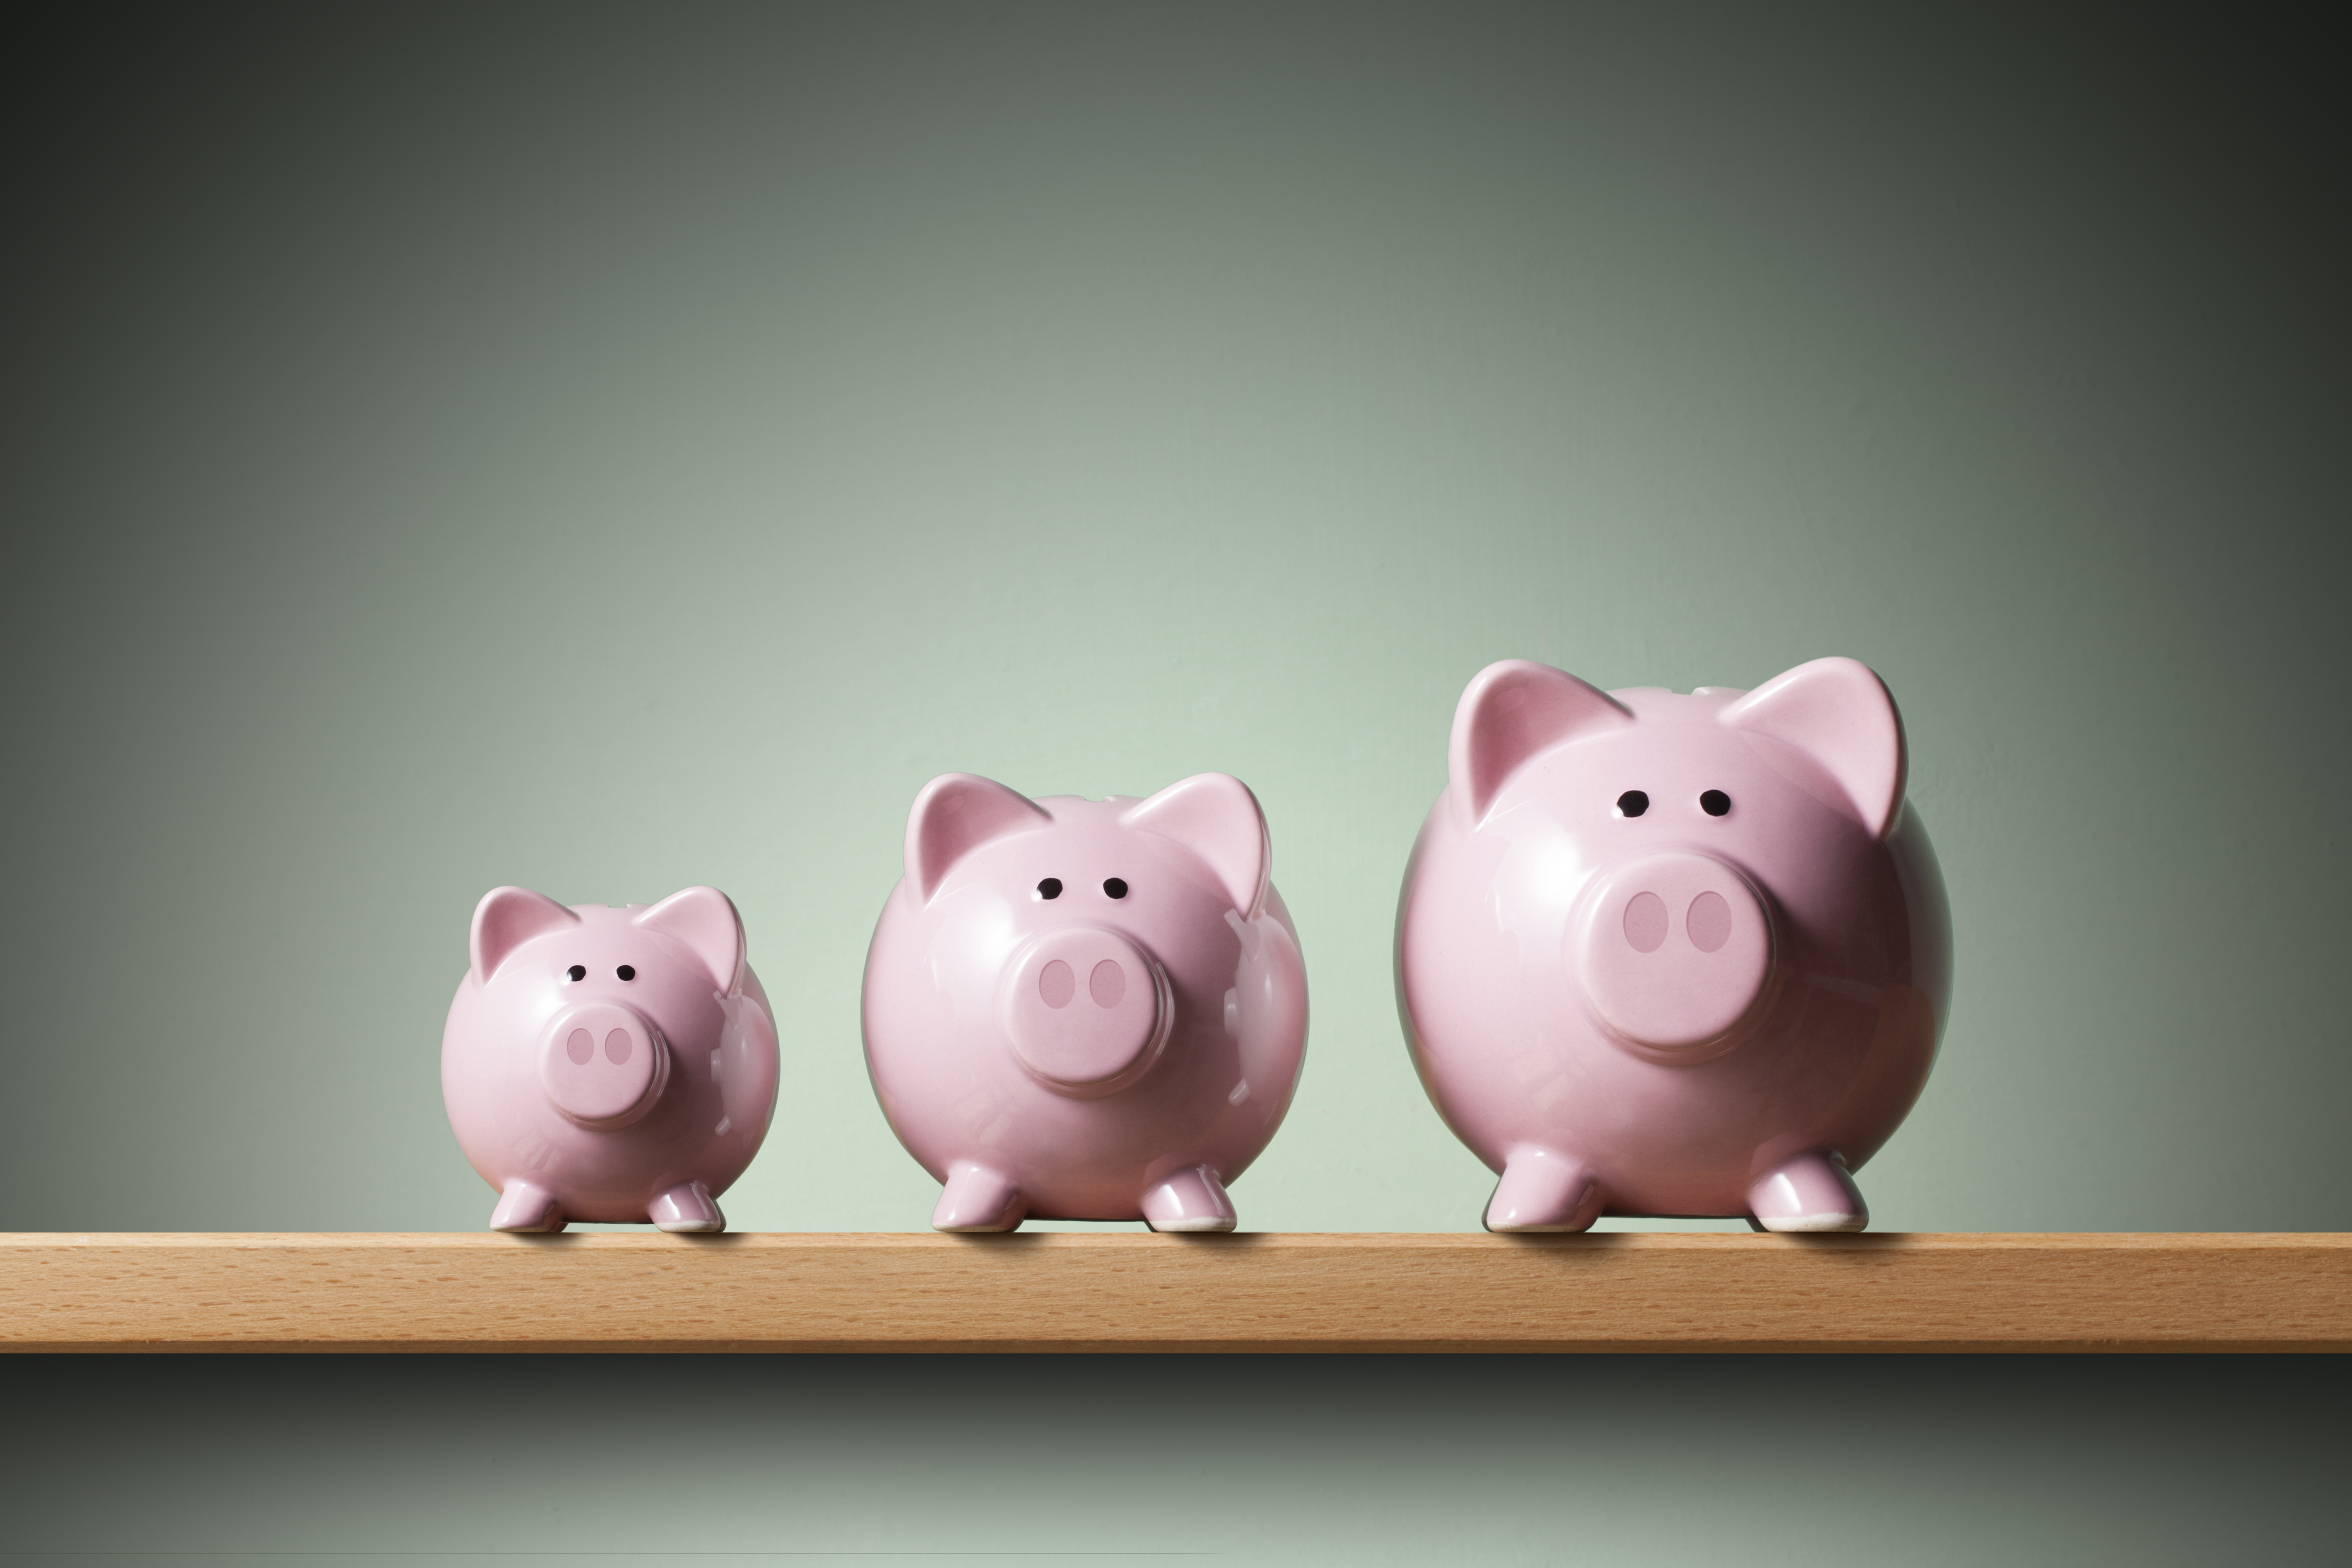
[1674, 955]
[1085, 1010]
[609, 1064]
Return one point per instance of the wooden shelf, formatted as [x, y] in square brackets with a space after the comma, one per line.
[1132, 1291]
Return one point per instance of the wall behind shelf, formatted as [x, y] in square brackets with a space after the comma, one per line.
[612, 448]
[1471, 1460]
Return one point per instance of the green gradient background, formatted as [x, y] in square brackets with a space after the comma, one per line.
[1792, 1461]
[613, 448]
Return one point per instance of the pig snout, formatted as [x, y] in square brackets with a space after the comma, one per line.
[1086, 1012]
[602, 1064]
[1674, 951]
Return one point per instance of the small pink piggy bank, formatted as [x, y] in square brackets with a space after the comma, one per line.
[1674, 955]
[609, 1065]
[1085, 1010]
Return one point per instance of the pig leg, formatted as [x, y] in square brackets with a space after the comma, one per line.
[1810, 1192]
[1191, 1200]
[688, 1206]
[523, 1205]
[1544, 1190]
[978, 1199]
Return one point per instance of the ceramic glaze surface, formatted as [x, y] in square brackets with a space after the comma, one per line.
[1662, 954]
[609, 1064]
[1085, 1009]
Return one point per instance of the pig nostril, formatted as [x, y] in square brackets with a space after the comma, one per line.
[580, 1047]
[617, 1047]
[1711, 922]
[1646, 922]
[1057, 983]
[1107, 984]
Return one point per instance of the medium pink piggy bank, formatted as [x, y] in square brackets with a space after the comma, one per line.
[609, 1065]
[1085, 1010]
[1674, 955]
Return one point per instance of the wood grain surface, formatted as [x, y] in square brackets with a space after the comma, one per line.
[1131, 1291]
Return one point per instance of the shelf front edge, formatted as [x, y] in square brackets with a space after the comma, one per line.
[1129, 1291]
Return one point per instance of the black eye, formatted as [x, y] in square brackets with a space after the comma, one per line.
[1715, 802]
[1632, 803]
[1115, 887]
[577, 972]
[1051, 888]
[625, 973]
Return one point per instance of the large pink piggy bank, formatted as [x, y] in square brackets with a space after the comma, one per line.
[609, 1064]
[1674, 955]
[1085, 1010]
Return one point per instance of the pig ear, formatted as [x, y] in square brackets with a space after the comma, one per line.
[1838, 713]
[506, 919]
[704, 918]
[955, 814]
[1510, 712]
[1215, 816]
